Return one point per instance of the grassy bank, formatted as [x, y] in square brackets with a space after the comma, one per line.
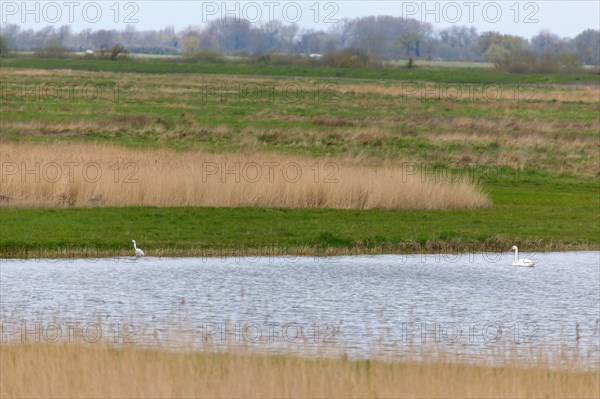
[555, 214]
[70, 370]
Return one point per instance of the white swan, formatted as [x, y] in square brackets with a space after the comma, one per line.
[521, 262]
[138, 251]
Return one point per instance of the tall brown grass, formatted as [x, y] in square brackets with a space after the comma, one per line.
[86, 371]
[88, 175]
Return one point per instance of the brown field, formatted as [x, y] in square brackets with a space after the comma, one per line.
[74, 370]
[90, 175]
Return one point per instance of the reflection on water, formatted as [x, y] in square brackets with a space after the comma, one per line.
[360, 304]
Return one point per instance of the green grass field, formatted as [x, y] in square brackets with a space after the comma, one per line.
[545, 127]
[454, 74]
[537, 158]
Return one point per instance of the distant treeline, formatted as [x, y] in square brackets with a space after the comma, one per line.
[379, 37]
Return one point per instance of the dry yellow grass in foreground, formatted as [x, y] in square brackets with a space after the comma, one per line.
[70, 370]
[88, 175]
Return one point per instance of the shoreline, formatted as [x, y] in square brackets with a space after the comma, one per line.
[266, 252]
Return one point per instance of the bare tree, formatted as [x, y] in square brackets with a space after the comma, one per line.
[546, 42]
[231, 35]
[587, 46]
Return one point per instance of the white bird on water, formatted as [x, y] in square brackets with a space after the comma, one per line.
[138, 251]
[521, 262]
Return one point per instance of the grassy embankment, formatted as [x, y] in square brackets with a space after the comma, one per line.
[536, 157]
[71, 370]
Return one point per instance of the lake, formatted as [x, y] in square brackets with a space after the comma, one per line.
[359, 305]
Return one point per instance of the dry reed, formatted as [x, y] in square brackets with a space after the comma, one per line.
[94, 370]
[89, 175]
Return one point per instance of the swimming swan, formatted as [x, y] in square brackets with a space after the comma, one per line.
[521, 262]
[138, 251]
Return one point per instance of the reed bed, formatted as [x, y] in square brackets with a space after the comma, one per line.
[92, 175]
[98, 370]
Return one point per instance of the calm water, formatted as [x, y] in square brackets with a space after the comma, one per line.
[357, 303]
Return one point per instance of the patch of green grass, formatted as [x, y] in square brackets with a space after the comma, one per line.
[551, 214]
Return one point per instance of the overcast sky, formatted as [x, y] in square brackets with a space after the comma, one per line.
[524, 18]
